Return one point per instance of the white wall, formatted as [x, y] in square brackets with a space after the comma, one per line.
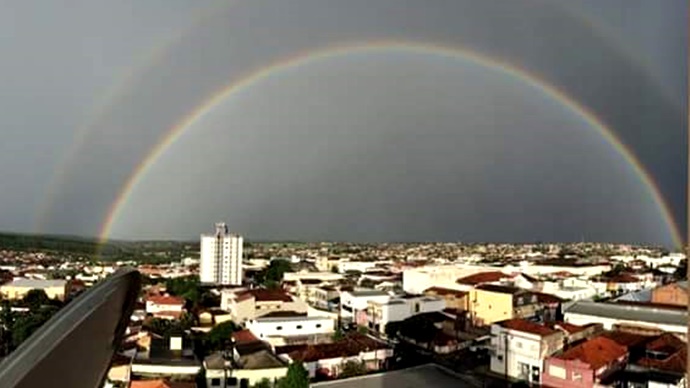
[270, 327]
[358, 303]
[521, 348]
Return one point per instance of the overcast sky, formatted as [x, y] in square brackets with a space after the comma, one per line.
[383, 145]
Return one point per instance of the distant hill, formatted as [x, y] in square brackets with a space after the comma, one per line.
[89, 246]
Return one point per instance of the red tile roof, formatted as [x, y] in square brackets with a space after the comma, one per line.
[597, 352]
[446, 291]
[526, 326]
[482, 277]
[166, 300]
[349, 346]
[149, 384]
[244, 336]
[676, 362]
[623, 278]
[625, 338]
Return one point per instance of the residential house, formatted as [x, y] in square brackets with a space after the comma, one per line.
[416, 280]
[455, 299]
[327, 360]
[585, 365]
[520, 347]
[244, 305]
[491, 303]
[380, 314]
[248, 362]
[290, 328]
[353, 304]
[671, 294]
[166, 307]
[323, 297]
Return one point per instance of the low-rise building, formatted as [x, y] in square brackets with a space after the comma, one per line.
[166, 307]
[275, 329]
[380, 314]
[520, 347]
[491, 303]
[671, 294]
[251, 361]
[244, 305]
[19, 287]
[327, 360]
[455, 299]
[353, 304]
[586, 364]
[640, 316]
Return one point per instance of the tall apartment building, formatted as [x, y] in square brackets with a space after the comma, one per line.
[221, 257]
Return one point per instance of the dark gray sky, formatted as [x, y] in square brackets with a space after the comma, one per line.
[384, 145]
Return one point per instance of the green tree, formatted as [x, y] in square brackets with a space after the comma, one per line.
[353, 368]
[296, 377]
[25, 325]
[338, 335]
[263, 383]
[218, 337]
[274, 272]
[34, 299]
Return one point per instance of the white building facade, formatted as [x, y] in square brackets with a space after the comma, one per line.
[263, 328]
[221, 257]
[396, 310]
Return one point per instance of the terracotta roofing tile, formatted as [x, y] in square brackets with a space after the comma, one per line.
[149, 384]
[482, 277]
[349, 346]
[597, 352]
[676, 362]
[526, 326]
[626, 339]
[244, 336]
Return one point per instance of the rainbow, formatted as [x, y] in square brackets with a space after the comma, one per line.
[237, 86]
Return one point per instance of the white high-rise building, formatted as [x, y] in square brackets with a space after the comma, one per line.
[221, 257]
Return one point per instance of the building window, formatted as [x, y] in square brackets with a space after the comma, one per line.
[279, 328]
[318, 325]
[215, 382]
[299, 327]
[500, 357]
[577, 376]
[231, 381]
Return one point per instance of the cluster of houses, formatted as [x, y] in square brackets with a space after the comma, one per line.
[554, 324]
